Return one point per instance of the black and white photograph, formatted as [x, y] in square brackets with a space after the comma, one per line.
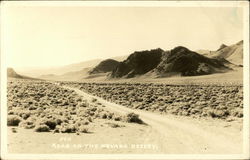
[124, 80]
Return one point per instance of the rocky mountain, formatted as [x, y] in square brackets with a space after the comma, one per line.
[185, 62]
[61, 70]
[105, 66]
[232, 53]
[179, 60]
[138, 63]
[222, 46]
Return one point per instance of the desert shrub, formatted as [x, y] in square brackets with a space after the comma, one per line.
[93, 100]
[14, 130]
[73, 112]
[26, 115]
[218, 113]
[32, 108]
[133, 118]
[103, 115]
[93, 109]
[51, 123]
[82, 122]
[48, 122]
[11, 112]
[13, 120]
[65, 120]
[78, 99]
[117, 118]
[237, 113]
[57, 129]
[81, 104]
[98, 103]
[49, 116]
[27, 124]
[41, 128]
[58, 121]
[89, 119]
[110, 115]
[32, 119]
[68, 128]
[82, 129]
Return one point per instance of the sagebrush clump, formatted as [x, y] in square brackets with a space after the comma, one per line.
[42, 128]
[133, 118]
[13, 120]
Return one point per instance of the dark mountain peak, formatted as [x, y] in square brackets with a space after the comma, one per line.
[185, 62]
[105, 66]
[107, 61]
[152, 50]
[146, 53]
[157, 50]
[180, 49]
[138, 63]
[222, 46]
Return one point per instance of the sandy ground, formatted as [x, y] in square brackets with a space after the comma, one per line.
[162, 134]
[101, 139]
[234, 77]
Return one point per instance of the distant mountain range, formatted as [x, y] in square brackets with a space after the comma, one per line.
[55, 71]
[151, 63]
[11, 73]
[69, 76]
[61, 70]
[232, 53]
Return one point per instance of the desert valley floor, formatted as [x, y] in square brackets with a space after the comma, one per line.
[126, 116]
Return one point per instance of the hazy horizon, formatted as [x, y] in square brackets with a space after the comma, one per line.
[40, 36]
[62, 65]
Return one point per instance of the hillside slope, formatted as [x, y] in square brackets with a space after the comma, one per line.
[232, 53]
[69, 76]
[11, 73]
[181, 60]
[60, 70]
[138, 63]
[105, 66]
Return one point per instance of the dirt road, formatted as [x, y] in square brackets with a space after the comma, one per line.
[183, 134]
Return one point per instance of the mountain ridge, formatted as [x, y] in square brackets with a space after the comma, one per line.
[179, 60]
[233, 53]
[104, 66]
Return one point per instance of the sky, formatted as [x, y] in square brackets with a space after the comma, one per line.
[60, 35]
